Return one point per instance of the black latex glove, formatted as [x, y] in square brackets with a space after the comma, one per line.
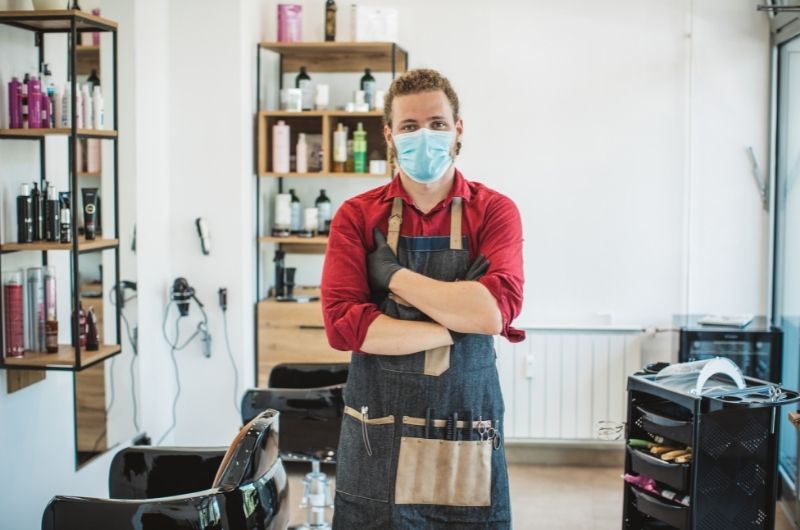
[477, 269]
[381, 263]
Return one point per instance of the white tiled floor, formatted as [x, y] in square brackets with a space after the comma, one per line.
[547, 498]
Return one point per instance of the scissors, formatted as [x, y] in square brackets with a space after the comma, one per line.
[485, 430]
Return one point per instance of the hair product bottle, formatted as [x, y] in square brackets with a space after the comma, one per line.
[66, 107]
[368, 86]
[36, 309]
[330, 20]
[23, 98]
[339, 148]
[24, 215]
[98, 110]
[34, 102]
[52, 210]
[324, 212]
[50, 312]
[66, 223]
[86, 99]
[303, 82]
[37, 211]
[283, 215]
[13, 316]
[14, 103]
[280, 147]
[360, 149]
[301, 154]
[297, 214]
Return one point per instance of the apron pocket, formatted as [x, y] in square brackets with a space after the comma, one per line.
[442, 472]
[365, 455]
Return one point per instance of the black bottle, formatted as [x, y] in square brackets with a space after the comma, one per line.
[368, 86]
[52, 214]
[38, 213]
[279, 266]
[324, 213]
[93, 80]
[66, 224]
[303, 82]
[330, 20]
[24, 215]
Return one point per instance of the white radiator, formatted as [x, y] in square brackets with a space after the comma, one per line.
[559, 382]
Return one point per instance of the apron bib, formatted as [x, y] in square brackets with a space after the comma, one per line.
[401, 464]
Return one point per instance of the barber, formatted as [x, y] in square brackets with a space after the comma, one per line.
[419, 275]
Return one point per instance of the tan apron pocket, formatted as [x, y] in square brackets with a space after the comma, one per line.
[443, 472]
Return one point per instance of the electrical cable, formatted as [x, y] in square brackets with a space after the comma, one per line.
[177, 375]
[236, 404]
[112, 297]
[202, 327]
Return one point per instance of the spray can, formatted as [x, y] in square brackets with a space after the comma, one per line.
[13, 317]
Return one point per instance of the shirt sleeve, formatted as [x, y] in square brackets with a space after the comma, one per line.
[500, 242]
[346, 307]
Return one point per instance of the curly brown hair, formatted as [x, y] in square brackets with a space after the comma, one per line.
[414, 82]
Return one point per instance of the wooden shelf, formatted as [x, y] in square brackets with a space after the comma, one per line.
[41, 133]
[294, 175]
[90, 174]
[340, 56]
[83, 246]
[59, 21]
[295, 240]
[64, 359]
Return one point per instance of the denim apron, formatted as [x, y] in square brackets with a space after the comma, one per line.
[405, 460]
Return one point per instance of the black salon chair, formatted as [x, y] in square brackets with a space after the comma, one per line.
[310, 398]
[161, 488]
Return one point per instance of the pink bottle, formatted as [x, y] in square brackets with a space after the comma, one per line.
[45, 99]
[96, 35]
[13, 315]
[290, 23]
[14, 104]
[34, 103]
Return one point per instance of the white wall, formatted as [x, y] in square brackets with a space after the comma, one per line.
[614, 125]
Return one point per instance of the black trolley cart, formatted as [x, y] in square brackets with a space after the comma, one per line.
[732, 480]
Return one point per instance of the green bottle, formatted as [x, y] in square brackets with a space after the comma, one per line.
[360, 149]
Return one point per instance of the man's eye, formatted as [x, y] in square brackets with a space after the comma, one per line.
[439, 125]
[408, 128]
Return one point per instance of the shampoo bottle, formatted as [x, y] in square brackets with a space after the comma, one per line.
[52, 211]
[368, 86]
[86, 98]
[360, 149]
[66, 107]
[58, 107]
[34, 103]
[24, 101]
[37, 211]
[24, 215]
[324, 212]
[303, 82]
[36, 309]
[13, 314]
[14, 104]
[339, 148]
[330, 20]
[297, 214]
[98, 111]
[79, 121]
[280, 147]
[301, 154]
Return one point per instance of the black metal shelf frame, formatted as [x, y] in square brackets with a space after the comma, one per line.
[72, 23]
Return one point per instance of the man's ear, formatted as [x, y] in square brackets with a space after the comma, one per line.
[387, 134]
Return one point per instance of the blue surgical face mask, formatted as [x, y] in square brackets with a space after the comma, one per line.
[424, 155]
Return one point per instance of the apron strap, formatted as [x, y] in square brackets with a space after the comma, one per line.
[455, 224]
[395, 221]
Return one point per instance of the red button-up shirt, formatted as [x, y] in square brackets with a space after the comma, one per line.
[490, 221]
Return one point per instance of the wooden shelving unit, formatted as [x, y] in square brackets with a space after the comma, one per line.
[323, 123]
[84, 245]
[65, 359]
[287, 331]
[88, 59]
[34, 134]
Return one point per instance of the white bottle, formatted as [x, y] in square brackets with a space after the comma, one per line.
[339, 148]
[98, 111]
[86, 97]
[58, 107]
[280, 147]
[301, 154]
[66, 107]
[78, 108]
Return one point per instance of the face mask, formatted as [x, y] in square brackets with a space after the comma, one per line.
[424, 155]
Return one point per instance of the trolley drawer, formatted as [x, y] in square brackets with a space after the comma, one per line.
[672, 514]
[675, 475]
[668, 420]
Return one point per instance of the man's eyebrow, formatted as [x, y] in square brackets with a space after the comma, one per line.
[409, 120]
[437, 117]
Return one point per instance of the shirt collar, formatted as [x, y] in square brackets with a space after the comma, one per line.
[460, 188]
